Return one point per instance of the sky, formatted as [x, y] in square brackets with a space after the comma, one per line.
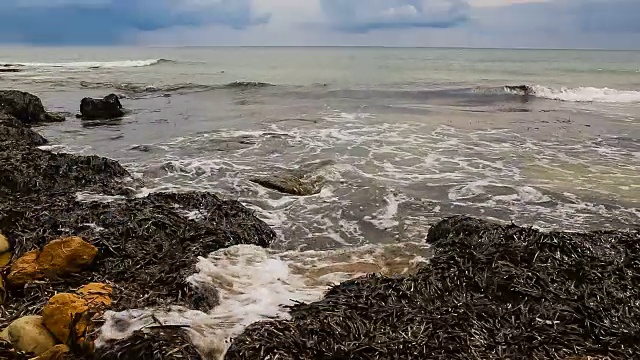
[440, 23]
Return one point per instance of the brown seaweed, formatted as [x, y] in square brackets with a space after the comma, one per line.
[490, 292]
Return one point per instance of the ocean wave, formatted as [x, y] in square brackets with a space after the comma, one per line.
[578, 94]
[184, 87]
[93, 64]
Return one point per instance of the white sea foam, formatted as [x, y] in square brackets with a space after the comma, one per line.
[587, 94]
[254, 283]
[91, 64]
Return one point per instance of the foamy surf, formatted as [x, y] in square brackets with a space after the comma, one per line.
[91, 64]
[579, 94]
[255, 283]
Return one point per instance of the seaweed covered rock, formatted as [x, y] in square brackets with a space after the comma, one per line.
[147, 247]
[28, 334]
[12, 129]
[58, 352]
[490, 292]
[26, 107]
[26, 170]
[151, 344]
[106, 108]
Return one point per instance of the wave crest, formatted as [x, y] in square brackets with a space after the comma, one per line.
[93, 64]
[578, 94]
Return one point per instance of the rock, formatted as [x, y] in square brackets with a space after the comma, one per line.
[5, 259]
[4, 335]
[58, 352]
[290, 184]
[66, 256]
[25, 269]
[28, 334]
[25, 107]
[61, 312]
[97, 295]
[101, 109]
[458, 226]
[12, 129]
[5, 246]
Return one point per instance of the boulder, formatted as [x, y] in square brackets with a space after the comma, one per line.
[28, 334]
[64, 312]
[25, 269]
[58, 352]
[97, 295]
[5, 246]
[57, 258]
[106, 108]
[26, 107]
[5, 259]
[66, 256]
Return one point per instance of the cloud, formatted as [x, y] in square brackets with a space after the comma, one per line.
[361, 16]
[110, 21]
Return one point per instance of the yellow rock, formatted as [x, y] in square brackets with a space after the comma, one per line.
[28, 334]
[4, 335]
[5, 246]
[65, 256]
[58, 352]
[97, 295]
[62, 311]
[25, 269]
[5, 259]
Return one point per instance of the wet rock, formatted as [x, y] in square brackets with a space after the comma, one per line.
[66, 256]
[97, 295]
[25, 269]
[12, 129]
[291, 184]
[58, 352]
[5, 259]
[151, 344]
[28, 334]
[490, 291]
[106, 108]
[303, 181]
[64, 314]
[26, 107]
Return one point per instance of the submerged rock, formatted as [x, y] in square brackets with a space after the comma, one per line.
[29, 335]
[26, 107]
[303, 181]
[106, 108]
[490, 291]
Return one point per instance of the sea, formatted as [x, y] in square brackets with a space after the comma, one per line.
[403, 137]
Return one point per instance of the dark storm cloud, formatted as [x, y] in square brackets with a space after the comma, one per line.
[109, 21]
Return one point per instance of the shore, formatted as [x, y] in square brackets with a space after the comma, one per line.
[490, 291]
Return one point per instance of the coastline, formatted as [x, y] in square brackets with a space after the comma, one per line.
[482, 273]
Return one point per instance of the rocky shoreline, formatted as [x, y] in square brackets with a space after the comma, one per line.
[491, 291]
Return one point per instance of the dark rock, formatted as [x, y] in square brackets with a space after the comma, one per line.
[106, 108]
[522, 89]
[12, 130]
[9, 70]
[26, 107]
[491, 291]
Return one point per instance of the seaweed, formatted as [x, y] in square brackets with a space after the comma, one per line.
[490, 292]
[150, 344]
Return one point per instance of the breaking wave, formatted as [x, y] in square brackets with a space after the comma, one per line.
[578, 94]
[93, 64]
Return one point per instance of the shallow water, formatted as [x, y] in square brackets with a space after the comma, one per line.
[402, 136]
